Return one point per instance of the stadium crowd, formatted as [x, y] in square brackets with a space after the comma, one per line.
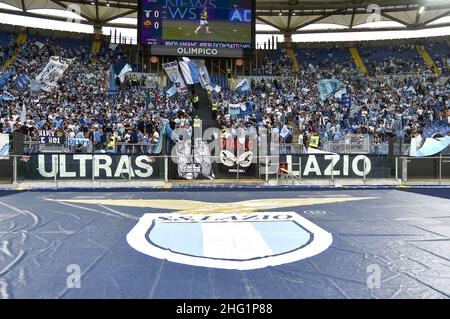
[81, 107]
[380, 106]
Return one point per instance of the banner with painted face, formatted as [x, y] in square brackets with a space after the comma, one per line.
[52, 72]
[175, 76]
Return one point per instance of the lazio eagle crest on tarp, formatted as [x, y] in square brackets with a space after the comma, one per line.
[228, 235]
[229, 241]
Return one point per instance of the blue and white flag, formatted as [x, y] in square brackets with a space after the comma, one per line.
[113, 91]
[204, 77]
[246, 109]
[4, 146]
[190, 71]
[6, 96]
[39, 44]
[174, 75]
[430, 147]
[328, 87]
[172, 91]
[127, 68]
[23, 115]
[217, 88]
[52, 72]
[285, 132]
[4, 78]
[22, 82]
[234, 109]
[346, 102]
[243, 85]
[35, 87]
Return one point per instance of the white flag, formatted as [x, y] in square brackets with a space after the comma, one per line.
[23, 115]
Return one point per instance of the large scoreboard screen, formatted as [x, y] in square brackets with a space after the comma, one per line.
[197, 23]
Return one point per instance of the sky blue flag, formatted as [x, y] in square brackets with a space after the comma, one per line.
[6, 96]
[328, 87]
[430, 147]
[4, 78]
[285, 132]
[243, 85]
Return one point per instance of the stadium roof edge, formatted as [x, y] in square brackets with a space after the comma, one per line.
[287, 16]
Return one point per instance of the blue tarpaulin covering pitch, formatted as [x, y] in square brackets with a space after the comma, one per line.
[218, 243]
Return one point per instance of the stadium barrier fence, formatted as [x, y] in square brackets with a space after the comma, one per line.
[282, 169]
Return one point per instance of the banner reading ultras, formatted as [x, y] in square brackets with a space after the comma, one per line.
[199, 23]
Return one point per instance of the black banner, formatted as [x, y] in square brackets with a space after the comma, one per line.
[337, 166]
[196, 51]
[79, 166]
[51, 137]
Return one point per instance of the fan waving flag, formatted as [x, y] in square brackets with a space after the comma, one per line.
[243, 85]
[204, 78]
[190, 71]
[127, 68]
[6, 96]
[4, 78]
[22, 82]
[285, 132]
[328, 87]
[23, 114]
[172, 91]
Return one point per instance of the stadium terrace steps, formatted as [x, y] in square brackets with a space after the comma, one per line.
[291, 54]
[359, 61]
[20, 39]
[96, 45]
[427, 58]
[204, 110]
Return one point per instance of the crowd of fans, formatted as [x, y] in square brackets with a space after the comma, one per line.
[382, 107]
[82, 108]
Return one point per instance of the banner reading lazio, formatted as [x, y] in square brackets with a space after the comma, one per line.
[174, 75]
[52, 72]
